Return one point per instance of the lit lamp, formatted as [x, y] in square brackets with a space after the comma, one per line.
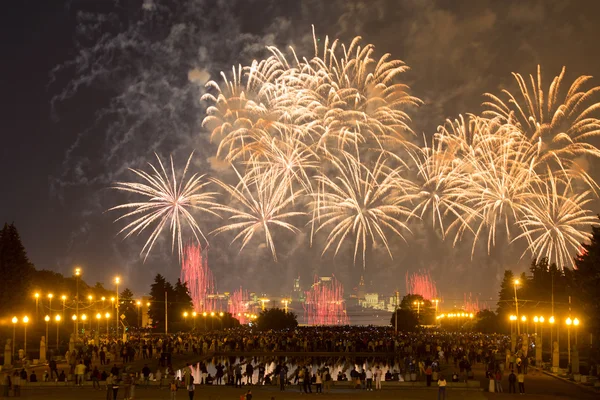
[516, 283]
[212, 320]
[47, 319]
[117, 281]
[107, 316]
[50, 296]
[83, 318]
[139, 305]
[576, 324]
[63, 298]
[14, 321]
[418, 304]
[57, 319]
[524, 321]
[569, 322]
[25, 321]
[77, 275]
[98, 318]
[37, 299]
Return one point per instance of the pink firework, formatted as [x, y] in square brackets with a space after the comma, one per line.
[324, 303]
[238, 305]
[199, 278]
[471, 304]
[421, 283]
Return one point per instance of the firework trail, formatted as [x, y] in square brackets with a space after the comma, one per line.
[324, 303]
[199, 278]
[169, 202]
[422, 284]
[471, 303]
[238, 305]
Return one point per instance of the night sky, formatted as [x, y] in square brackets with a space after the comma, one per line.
[92, 87]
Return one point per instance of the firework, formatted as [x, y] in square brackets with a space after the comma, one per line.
[557, 222]
[471, 303]
[325, 303]
[167, 203]
[422, 284]
[198, 277]
[359, 202]
[238, 305]
[558, 123]
[261, 206]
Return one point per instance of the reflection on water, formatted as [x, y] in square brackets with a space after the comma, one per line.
[335, 365]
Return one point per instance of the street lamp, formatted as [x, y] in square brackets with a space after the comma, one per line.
[57, 319]
[50, 296]
[83, 318]
[98, 318]
[47, 319]
[185, 315]
[77, 274]
[516, 282]
[576, 324]
[569, 322]
[37, 299]
[139, 304]
[117, 280]
[524, 320]
[25, 321]
[107, 316]
[436, 301]
[418, 304]
[14, 321]
[285, 302]
[194, 314]
[212, 320]
[74, 318]
[63, 298]
[204, 315]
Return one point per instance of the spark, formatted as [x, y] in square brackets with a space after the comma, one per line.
[167, 203]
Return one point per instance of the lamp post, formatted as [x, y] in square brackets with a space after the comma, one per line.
[204, 315]
[436, 301]
[77, 274]
[117, 280]
[185, 315]
[212, 321]
[418, 304]
[57, 319]
[50, 296]
[37, 299]
[98, 318]
[14, 321]
[576, 324]
[139, 304]
[569, 322]
[103, 306]
[63, 298]
[112, 303]
[25, 321]
[285, 302]
[516, 283]
[74, 318]
[194, 314]
[221, 319]
[524, 321]
[47, 319]
[83, 318]
[107, 316]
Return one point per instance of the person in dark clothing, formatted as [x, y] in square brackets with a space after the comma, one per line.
[512, 379]
[114, 370]
[282, 379]
[33, 377]
[53, 369]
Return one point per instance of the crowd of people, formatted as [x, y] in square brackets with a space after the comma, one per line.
[407, 356]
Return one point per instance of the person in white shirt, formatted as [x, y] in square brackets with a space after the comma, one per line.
[377, 378]
[369, 380]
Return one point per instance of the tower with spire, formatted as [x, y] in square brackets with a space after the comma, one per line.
[361, 289]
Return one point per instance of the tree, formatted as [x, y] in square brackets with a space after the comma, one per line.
[506, 295]
[407, 320]
[128, 307]
[15, 269]
[276, 319]
[486, 321]
[156, 312]
[422, 308]
[586, 281]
